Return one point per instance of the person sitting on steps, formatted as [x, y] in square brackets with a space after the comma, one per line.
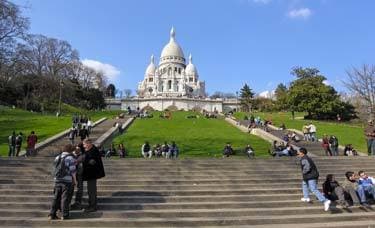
[333, 191]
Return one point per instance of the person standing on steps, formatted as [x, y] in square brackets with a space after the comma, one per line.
[93, 169]
[370, 137]
[310, 175]
[12, 144]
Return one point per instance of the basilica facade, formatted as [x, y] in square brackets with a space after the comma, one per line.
[172, 84]
[172, 77]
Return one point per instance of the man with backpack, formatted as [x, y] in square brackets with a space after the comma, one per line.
[65, 179]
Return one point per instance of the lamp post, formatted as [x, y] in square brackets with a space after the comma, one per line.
[237, 101]
[60, 95]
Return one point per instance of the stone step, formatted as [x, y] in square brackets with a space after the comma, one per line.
[186, 213]
[229, 186]
[170, 206]
[210, 221]
[158, 199]
[216, 192]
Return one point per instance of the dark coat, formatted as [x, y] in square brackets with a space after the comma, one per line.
[309, 170]
[92, 165]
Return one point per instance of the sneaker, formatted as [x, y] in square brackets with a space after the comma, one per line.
[52, 217]
[326, 205]
[365, 204]
[307, 200]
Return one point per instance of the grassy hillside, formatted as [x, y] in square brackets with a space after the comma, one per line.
[199, 137]
[44, 125]
[346, 132]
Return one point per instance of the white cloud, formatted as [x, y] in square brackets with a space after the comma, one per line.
[111, 72]
[326, 82]
[303, 13]
[267, 94]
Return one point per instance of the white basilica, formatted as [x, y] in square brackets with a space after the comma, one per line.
[172, 85]
[172, 77]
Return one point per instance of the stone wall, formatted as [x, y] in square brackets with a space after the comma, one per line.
[162, 103]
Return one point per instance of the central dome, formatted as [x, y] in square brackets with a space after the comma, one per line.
[172, 48]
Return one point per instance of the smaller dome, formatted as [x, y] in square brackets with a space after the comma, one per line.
[190, 68]
[151, 67]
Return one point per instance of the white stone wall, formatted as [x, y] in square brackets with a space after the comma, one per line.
[160, 104]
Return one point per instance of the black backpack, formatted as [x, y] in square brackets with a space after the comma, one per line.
[60, 169]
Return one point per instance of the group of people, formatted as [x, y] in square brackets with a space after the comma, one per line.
[15, 144]
[228, 151]
[360, 189]
[72, 166]
[330, 145]
[357, 188]
[309, 132]
[121, 152]
[81, 127]
[257, 122]
[280, 149]
[291, 136]
[165, 150]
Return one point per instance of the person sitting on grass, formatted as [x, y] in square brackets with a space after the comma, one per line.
[333, 191]
[173, 150]
[228, 150]
[157, 150]
[111, 151]
[121, 150]
[146, 150]
[249, 151]
[165, 150]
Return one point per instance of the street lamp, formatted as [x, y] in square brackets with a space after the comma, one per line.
[237, 101]
[60, 95]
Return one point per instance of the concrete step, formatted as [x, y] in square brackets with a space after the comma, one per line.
[182, 193]
[170, 221]
[186, 213]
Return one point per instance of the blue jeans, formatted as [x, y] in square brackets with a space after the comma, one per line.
[313, 136]
[362, 190]
[311, 184]
[371, 146]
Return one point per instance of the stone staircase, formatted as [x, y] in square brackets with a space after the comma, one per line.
[54, 148]
[312, 147]
[230, 192]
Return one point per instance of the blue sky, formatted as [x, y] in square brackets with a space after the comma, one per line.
[232, 41]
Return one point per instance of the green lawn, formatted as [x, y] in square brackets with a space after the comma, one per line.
[346, 132]
[199, 137]
[44, 125]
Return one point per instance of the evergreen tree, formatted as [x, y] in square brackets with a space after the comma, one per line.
[246, 98]
[281, 94]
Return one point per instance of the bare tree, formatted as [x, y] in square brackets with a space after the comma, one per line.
[361, 81]
[128, 93]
